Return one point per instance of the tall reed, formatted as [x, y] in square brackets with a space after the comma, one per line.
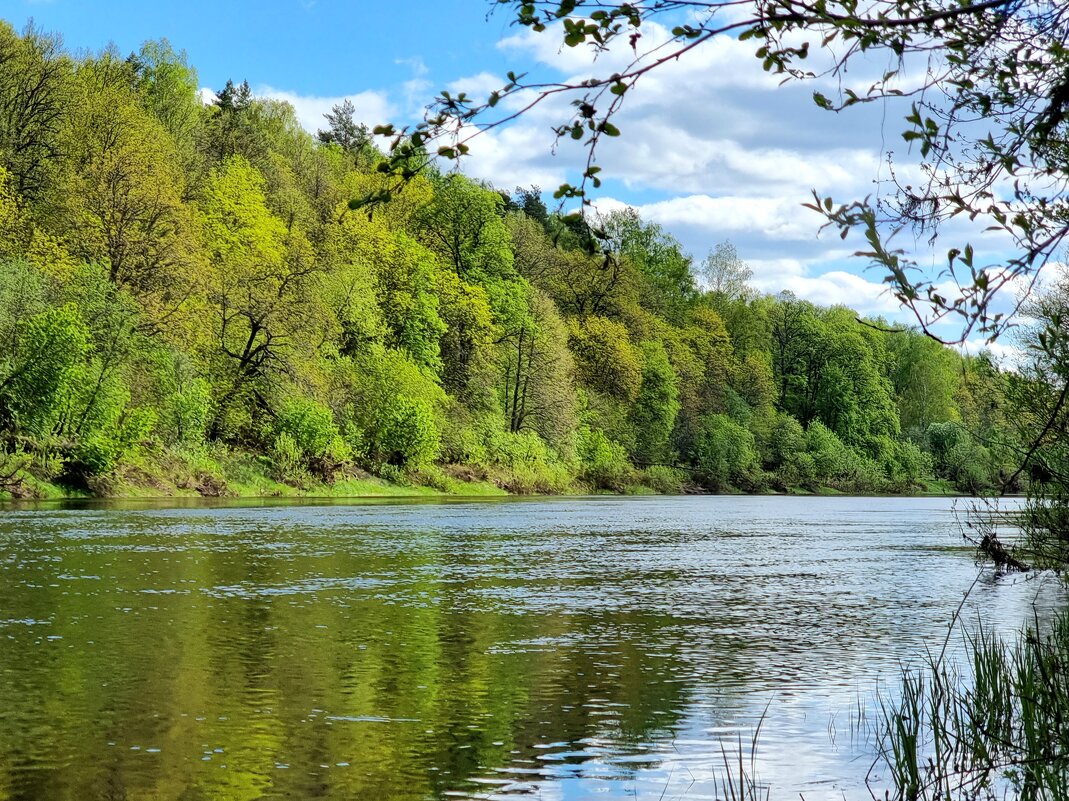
[996, 726]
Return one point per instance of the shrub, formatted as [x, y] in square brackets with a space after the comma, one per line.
[310, 425]
[410, 436]
[831, 458]
[906, 466]
[100, 450]
[310, 439]
[725, 452]
[186, 413]
[50, 347]
[602, 462]
[286, 455]
[530, 465]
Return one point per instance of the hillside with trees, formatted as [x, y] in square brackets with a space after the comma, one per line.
[195, 298]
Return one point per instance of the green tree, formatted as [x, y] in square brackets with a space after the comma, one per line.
[344, 131]
[34, 85]
[38, 372]
[926, 377]
[654, 410]
[465, 225]
[657, 256]
[169, 86]
[260, 277]
[725, 453]
[125, 205]
[538, 393]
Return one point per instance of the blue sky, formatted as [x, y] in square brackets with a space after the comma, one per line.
[315, 47]
[713, 149]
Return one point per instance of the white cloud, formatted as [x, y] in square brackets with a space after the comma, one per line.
[478, 87]
[837, 287]
[372, 108]
[777, 218]
[514, 157]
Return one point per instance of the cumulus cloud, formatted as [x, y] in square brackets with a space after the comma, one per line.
[372, 108]
[730, 152]
[776, 218]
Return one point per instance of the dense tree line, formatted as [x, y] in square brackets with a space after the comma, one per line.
[181, 282]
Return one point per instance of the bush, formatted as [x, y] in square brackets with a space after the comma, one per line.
[287, 456]
[307, 438]
[785, 441]
[393, 409]
[664, 480]
[530, 465]
[831, 458]
[186, 413]
[310, 425]
[957, 457]
[50, 347]
[907, 466]
[410, 436]
[100, 450]
[724, 452]
[464, 437]
[602, 462]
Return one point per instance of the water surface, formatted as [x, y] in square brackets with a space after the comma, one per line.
[554, 649]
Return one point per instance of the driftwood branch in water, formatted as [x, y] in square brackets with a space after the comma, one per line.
[994, 550]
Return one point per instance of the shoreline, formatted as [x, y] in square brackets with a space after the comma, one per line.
[235, 475]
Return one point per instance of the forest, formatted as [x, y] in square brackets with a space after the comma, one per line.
[200, 298]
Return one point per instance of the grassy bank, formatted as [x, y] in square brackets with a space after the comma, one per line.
[218, 471]
[224, 472]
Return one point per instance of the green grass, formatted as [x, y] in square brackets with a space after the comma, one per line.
[218, 471]
[996, 725]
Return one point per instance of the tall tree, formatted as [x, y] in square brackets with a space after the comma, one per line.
[125, 206]
[259, 283]
[725, 274]
[343, 130]
[34, 85]
[658, 258]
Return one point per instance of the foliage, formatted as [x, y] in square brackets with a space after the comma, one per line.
[409, 435]
[995, 727]
[39, 371]
[656, 405]
[192, 277]
[602, 462]
[725, 452]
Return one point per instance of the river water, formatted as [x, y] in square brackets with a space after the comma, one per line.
[605, 648]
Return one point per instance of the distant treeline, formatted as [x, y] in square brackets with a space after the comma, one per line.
[180, 282]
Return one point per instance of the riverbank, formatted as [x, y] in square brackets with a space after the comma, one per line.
[223, 472]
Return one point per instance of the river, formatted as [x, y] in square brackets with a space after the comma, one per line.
[560, 649]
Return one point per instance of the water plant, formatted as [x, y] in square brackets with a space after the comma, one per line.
[995, 724]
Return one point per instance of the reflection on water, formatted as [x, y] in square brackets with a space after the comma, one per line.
[560, 649]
